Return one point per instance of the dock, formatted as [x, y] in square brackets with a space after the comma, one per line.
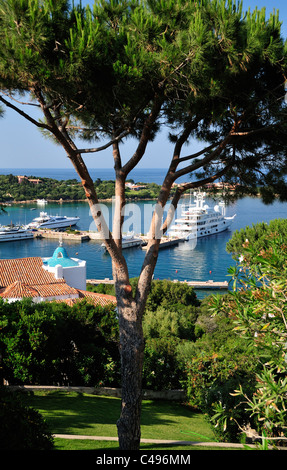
[81, 236]
[167, 243]
[96, 282]
[210, 284]
[206, 284]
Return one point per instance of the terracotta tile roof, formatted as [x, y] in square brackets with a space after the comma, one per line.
[18, 290]
[96, 298]
[93, 297]
[27, 270]
[25, 277]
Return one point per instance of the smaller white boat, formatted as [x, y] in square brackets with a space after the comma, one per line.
[41, 202]
[51, 221]
[13, 233]
[129, 240]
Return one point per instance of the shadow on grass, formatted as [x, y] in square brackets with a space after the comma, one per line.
[76, 413]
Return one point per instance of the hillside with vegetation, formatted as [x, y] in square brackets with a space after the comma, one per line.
[11, 190]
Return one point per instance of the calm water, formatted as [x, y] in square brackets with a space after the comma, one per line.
[208, 260]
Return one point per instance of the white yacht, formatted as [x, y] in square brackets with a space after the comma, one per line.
[199, 220]
[52, 221]
[41, 202]
[129, 240]
[13, 233]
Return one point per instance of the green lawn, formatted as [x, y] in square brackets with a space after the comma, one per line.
[90, 415]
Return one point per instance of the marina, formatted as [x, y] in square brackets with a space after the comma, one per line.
[62, 235]
[205, 258]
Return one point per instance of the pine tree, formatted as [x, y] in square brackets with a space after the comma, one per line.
[124, 69]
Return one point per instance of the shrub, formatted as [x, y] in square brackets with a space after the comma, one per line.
[21, 427]
[51, 343]
[258, 308]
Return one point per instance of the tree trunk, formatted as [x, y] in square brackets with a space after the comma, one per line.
[132, 353]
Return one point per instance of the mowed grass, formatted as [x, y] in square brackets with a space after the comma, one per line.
[91, 415]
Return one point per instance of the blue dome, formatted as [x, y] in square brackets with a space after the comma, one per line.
[61, 257]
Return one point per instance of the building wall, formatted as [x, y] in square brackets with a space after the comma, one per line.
[75, 276]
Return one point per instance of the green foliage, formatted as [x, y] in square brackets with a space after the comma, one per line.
[67, 190]
[257, 236]
[48, 188]
[163, 293]
[161, 369]
[168, 323]
[216, 363]
[102, 288]
[187, 61]
[170, 294]
[52, 343]
[22, 428]
[166, 329]
[258, 307]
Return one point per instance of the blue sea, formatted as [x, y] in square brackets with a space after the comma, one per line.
[207, 260]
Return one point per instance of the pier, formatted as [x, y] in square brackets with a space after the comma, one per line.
[206, 284]
[87, 235]
[96, 282]
[167, 243]
[210, 284]
[80, 236]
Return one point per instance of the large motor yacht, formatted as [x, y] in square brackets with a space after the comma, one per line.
[199, 220]
[52, 221]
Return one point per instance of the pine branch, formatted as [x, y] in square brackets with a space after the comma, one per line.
[108, 144]
[197, 154]
[25, 115]
[204, 161]
[145, 135]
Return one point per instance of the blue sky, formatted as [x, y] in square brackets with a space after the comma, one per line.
[23, 146]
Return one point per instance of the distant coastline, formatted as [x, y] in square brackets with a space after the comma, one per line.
[24, 186]
[144, 175]
[20, 187]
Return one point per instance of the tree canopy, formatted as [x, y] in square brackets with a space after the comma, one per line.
[206, 69]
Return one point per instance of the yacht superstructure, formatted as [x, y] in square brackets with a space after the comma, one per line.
[199, 220]
[52, 221]
[13, 233]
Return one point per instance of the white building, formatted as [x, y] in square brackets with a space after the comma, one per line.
[58, 278]
[73, 270]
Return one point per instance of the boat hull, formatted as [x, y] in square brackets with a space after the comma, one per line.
[58, 224]
[193, 233]
[53, 223]
[128, 241]
[131, 243]
[199, 220]
[14, 236]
